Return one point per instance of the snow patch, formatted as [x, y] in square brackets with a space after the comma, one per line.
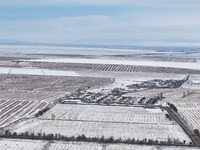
[33, 71]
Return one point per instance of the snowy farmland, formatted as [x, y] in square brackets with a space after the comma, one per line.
[75, 146]
[97, 121]
[12, 111]
[188, 109]
[124, 62]
[23, 96]
[107, 68]
[107, 114]
[98, 129]
[187, 101]
[143, 147]
[27, 87]
[16, 144]
[56, 84]
[96, 146]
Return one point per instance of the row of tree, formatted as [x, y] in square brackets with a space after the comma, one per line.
[41, 112]
[27, 135]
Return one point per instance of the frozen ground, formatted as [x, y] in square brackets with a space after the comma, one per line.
[15, 110]
[55, 84]
[106, 129]
[22, 96]
[16, 144]
[143, 147]
[187, 101]
[34, 71]
[96, 146]
[107, 114]
[75, 146]
[97, 121]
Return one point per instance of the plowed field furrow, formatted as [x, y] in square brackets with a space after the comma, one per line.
[21, 110]
[11, 105]
[8, 113]
[31, 105]
[40, 106]
[5, 104]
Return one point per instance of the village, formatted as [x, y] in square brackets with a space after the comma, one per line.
[121, 96]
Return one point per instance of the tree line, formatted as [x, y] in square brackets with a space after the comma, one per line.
[83, 138]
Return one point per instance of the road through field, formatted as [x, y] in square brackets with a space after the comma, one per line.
[194, 139]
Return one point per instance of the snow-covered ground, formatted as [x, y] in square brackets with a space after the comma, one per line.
[123, 62]
[106, 129]
[75, 146]
[187, 101]
[193, 82]
[107, 114]
[34, 71]
[97, 121]
[16, 144]
[19, 144]
[144, 147]
[96, 146]
[188, 108]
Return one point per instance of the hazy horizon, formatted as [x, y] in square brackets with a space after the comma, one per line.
[87, 22]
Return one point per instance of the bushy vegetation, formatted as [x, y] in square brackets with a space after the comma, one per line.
[41, 112]
[196, 132]
[173, 107]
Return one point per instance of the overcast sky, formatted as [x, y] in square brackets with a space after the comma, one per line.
[102, 22]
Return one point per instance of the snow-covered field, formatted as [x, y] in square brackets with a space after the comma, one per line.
[189, 110]
[32, 96]
[96, 146]
[34, 71]
[107, 114]
[16, 144]
[106, 129]
[23, 96]
[143, 147]
[123, 62]
[187, 101]
[75, 146]
[97, 121]
[94, 121]
[12, 111]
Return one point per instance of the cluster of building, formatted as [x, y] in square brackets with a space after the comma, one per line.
[116, 96]
[157, 83]
[121, 96]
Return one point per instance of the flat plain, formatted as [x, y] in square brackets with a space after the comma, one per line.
[29, 85]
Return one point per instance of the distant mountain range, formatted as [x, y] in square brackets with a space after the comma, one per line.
[102, 43]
